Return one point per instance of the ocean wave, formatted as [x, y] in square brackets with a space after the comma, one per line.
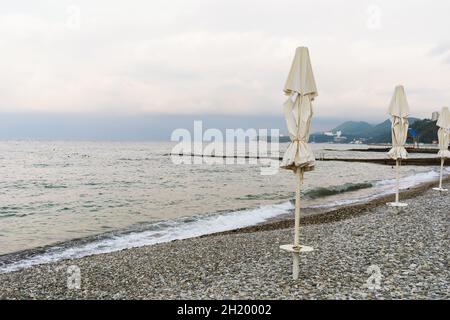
[412, 180]
[309, 194]
[385, 187]
[267, 196]
[330, 191]
[158, 232]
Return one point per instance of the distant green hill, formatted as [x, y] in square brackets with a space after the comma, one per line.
[426, 130]
[380, 133]
[354, 128]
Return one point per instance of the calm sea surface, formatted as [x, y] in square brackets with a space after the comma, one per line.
[132, 193]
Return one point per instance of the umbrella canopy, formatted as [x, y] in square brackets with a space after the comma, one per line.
[301, 89]
[444, 133]
[399, 111]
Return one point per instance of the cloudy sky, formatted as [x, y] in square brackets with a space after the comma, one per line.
[220, 57]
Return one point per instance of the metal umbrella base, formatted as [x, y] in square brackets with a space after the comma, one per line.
[440, 189]
[397, 204]
[295, 250]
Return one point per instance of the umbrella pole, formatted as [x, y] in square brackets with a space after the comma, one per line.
[296, 255]
[397, 169]
[442, 169]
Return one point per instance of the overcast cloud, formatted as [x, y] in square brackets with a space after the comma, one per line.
[220, 57]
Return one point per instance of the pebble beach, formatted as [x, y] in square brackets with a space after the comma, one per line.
[376, 252]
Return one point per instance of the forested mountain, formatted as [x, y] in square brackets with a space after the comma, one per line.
[426, 131]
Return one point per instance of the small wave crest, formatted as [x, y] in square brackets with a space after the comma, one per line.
[330, 191]
[385, 187]
[310, 194]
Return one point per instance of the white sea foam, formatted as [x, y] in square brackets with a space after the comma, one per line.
[158, 233]
[385, 187]
[412, 180]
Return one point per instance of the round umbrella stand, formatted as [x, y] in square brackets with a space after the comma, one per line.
[397, 204]
[295, 250]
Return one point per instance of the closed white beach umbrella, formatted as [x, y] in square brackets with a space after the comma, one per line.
[301, 90]
[444, 139]
[399, 111]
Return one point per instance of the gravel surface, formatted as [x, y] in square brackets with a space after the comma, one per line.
[383, 254]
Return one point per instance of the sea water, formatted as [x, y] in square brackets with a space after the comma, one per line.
[72, 199]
